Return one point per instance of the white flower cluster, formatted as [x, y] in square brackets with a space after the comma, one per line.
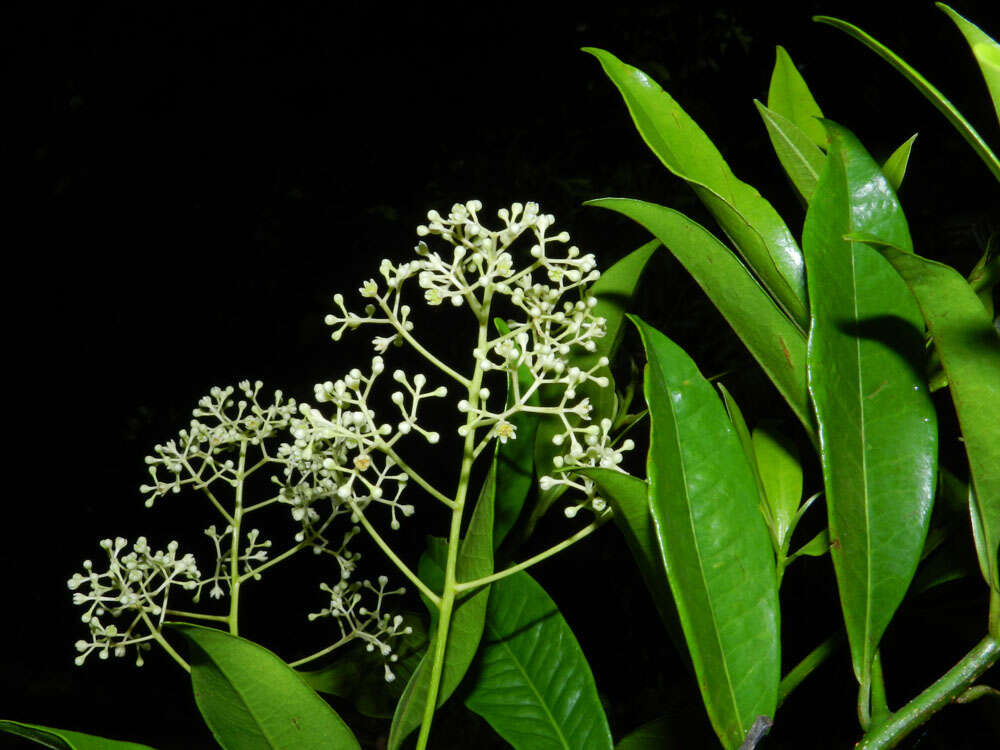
[375, 627]
[544, 327]
[136, 584]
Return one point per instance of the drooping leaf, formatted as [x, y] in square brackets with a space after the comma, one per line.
[986, 51]
[777, 344]
[533, 684]
[781, 473]
[871, 398]
[714, 543]
[800, 157]
[475, 560]
[251, 700]
[924, 86]
[753, 225]
[969, 347]
[614, 291]
[358, 675]
[789, 96]
[894, 168]
[65, 739]
[628, 498]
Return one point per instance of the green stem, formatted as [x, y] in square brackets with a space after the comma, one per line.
[995, 614]
[880, 705]
[274, 560]
[808, 665]
[323, 651]
[197, 615]
[158, 637]
[948, 688]
[234, 546]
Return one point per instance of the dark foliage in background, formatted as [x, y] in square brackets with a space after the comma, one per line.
[202, 178]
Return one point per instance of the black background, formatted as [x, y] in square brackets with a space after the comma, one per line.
[200, 179]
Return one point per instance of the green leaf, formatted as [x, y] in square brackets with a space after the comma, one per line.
[986, 51]
[628, 498]
[894, 168]
[64, 739]
[924, 86]
[475, 560]
[800, 157]
[777, 344]
[533, 684]
[969, 347]
[986, 273]
[251, 699]
[781, 474]
[818, 546]
[614, 291]
[747, 218]
[789, 96]
[358, 676]
[653, 735]
[714, 543]
[877, 425]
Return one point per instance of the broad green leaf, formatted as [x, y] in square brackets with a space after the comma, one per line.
[515, 458]
[773, 340]
[252, 700]
[986, 51]
[801, 159]
[475, 560]
[894, 168]
[64, 739]
[781, 473]
[358, 675]
[747, 218]
[628, 498]
[877, 425]
[614, 291]
[924, 86]
[969, 347]
[789, 96]
[533, 684]
[714, 543]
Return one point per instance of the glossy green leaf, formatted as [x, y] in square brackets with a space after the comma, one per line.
[614, 291]
[818, 546]
[747, 218]
[475, 560]
[969, 347]
[924, 86]
[781, 473]
[252, 700]
[986, 51]
[773, 340]
[789, 96]
[358, 675]
[894, 168]
[800, 157]
[877, 425]
[628, 498]
[746, 442]
[533, 684]
[64, 739]
[714, 543]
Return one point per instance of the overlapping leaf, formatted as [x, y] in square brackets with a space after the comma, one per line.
[65, 739]
[714, 543]
[789, 96]
[984, 48]
[800, 157]
[252, 700]
[533, 684]
[877, 425]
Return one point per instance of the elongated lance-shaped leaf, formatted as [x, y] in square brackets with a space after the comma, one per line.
[969, 347]
[533, 684]
[877, 425]
[65, 739]
[752, 224]
[614, 291]
[801, 159]
[781, 474]
[777, 344]
[984, 48]
[714, 543]
[789, 96]
[628, 498]
[894, 168]
[252, 700]
[935, 97]
[475, 560]
[746, 442]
